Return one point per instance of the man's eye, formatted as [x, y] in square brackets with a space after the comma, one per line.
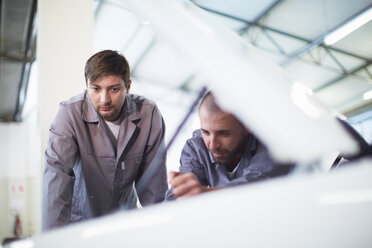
[95, 88]
[115, 89]
[204, 132]
[225, 133]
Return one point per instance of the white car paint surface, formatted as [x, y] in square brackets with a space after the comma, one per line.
[317, 210]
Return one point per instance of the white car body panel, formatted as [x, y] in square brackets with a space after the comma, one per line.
[246, 83]
[318, 210]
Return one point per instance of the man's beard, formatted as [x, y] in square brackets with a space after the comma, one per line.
[224, 160]
[230, 155]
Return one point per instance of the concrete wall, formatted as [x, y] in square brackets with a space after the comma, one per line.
[19, 175]
[65, 42]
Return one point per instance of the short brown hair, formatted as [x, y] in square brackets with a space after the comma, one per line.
[106, 63]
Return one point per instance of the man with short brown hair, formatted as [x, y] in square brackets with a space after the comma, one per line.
[100, 145]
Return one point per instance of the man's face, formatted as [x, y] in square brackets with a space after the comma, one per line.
[223, 135]
[107, 95]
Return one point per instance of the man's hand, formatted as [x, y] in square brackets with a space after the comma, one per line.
[186, 184]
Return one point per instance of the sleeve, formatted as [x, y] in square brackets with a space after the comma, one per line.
[151, 184]
[190, 162]
[58, 178]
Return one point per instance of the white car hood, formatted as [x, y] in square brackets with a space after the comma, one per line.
[321, 210]
[294, 125]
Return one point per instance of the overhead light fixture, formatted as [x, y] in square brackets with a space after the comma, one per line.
[349, 27]
[367, 95]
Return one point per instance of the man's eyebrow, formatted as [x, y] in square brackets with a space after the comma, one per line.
[224, 131]
[94, 84]
[116, 85]
[111, 86]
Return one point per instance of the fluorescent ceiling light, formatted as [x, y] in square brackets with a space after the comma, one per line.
[367, 95]
[349, 27]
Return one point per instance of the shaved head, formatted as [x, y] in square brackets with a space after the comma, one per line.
[223, 135]
[209, 104]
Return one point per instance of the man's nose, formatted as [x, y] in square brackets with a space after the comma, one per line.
[105, 97]
[213, 142]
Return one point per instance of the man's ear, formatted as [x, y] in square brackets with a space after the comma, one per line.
[129, 84]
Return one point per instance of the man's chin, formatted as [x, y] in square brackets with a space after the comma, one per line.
[221, 160]
[106, 116]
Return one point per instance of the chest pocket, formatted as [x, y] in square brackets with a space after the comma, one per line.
[128, 169]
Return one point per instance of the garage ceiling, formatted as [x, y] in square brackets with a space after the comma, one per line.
[293, 32]
[289, 32]
[17, 52]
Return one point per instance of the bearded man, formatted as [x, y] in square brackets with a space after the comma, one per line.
[222, 153]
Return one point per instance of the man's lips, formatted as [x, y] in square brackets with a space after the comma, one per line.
[218, 154]
[105, 108]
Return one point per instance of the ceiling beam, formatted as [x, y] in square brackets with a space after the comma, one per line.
[263, 14]
[333, 81]
[20, 59]
[98, 7]
[274, 30]
[335, 60]
[363, 108]
[276, 44]
[319, 40]
[26, 66]
[1, 31]
[310, 44]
